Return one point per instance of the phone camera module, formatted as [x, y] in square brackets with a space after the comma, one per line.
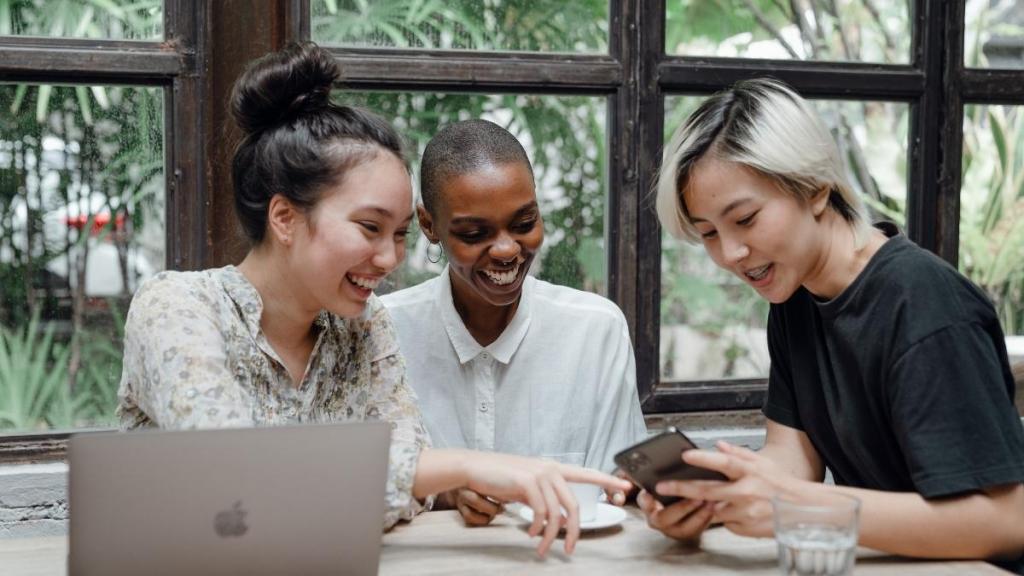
[637, 461]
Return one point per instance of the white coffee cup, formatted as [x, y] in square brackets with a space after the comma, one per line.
[586, 496]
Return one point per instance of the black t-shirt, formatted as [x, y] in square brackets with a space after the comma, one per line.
[902, 381]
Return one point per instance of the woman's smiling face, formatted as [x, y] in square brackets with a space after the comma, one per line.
[749, 226]
[490, 227]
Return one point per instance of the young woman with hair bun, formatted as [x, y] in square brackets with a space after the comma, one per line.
[294, 333]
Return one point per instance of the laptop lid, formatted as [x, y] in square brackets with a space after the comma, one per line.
[274, 500]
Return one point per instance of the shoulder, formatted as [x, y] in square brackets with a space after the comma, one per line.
[563, 304]
[928, 289]
[411, 297]
[171, 292]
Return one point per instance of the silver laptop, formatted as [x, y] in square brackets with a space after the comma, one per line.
[279, 500]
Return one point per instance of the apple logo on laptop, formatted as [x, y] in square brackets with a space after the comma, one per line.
[231, 522]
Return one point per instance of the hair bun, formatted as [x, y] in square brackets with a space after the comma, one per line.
[282, 86]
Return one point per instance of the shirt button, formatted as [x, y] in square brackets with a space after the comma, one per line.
[483, 407]
[485, 356]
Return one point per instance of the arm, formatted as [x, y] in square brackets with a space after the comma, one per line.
[984, 524]
[791, 450]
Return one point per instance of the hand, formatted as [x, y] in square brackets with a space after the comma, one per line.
[475, 509]
[684, 520]
[743, 503]
[541, 485]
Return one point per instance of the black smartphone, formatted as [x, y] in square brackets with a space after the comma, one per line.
[660, 458]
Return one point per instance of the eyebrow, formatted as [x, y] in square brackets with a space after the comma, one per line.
[524, 209]
[732, 206]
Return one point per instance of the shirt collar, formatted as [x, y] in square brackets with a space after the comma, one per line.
[250, 305]
[466, 347]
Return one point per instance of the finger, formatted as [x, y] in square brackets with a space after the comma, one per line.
[673, 514]
[479, 503]
[572, 507]
[553, 517]
[617, 498]
[473, 518]
[648, 504]
[535, 501]
[589, 476]
[732, 466]
[736, 450]
[692, 489]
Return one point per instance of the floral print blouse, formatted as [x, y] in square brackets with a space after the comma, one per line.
[195, 357]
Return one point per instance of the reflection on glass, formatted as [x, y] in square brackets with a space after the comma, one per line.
[564, 137]
[712, 323]
[833, 30]
[81, 226]
[108, 19]
[994, 34]
[992, 211]
[515, 25]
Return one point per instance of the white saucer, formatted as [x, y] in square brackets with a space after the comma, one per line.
[607, 516]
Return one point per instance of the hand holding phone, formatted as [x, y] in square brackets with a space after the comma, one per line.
[660, 458]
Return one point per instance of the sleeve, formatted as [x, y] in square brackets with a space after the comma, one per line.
[780, 404]
[951, 413]
[176, 372]
[393, 400]
[620, 421]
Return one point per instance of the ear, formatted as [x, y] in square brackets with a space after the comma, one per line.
[283, 219]
[427, 224]
[820, 200]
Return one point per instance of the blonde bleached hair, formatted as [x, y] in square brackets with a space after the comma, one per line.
[766, 127]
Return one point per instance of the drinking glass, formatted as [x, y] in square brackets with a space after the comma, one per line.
[816, 537]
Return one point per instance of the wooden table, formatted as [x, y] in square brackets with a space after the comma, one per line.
[438, 543]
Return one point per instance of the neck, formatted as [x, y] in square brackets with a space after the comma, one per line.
[840, 260]
[485, 321]
[286, 319]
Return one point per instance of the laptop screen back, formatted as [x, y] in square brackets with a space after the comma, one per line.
[276, 500]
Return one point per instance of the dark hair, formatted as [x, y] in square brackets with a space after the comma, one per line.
[296, 140]
[462, 148]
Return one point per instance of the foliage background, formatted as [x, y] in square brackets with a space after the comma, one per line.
[94, 155]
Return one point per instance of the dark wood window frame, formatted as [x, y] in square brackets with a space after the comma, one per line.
[207, 44]
[174, 64]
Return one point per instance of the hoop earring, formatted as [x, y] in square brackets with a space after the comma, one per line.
[440, 253]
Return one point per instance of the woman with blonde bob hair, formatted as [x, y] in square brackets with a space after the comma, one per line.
[907, 401]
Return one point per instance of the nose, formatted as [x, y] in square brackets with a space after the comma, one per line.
[734, 249]
[505, 248]
[388, 255]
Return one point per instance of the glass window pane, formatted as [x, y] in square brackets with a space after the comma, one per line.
[992, 212]
[81, 225]
[110, 19]
[515, 25]
[565, 139]
[712, 323]
[835, 30]
[994, 34]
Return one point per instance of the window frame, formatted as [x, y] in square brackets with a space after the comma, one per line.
[174, 64]
[634, 76]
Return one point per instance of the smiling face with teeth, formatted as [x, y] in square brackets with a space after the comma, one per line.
[489, 225]
[339, 251]
[768, 237]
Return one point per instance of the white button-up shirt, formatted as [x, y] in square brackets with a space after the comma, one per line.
[560, 381]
